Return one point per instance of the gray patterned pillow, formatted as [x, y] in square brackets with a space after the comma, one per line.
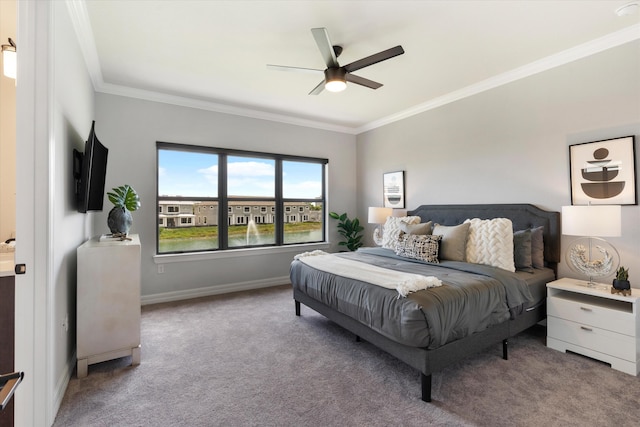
[423, 247]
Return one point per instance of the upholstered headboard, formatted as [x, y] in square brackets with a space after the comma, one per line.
[522, 216]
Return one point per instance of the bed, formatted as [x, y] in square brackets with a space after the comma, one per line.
[471, 305]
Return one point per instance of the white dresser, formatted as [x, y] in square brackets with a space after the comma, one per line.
[108, 301]
[595, 323]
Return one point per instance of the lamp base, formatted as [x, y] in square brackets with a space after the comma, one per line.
[594, 285]
[592, 257]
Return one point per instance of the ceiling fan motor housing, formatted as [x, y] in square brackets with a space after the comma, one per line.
[335, 73]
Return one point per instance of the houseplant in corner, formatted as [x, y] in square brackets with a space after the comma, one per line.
[125, 200]
[351, 230]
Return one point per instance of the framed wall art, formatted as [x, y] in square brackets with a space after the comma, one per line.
[393, 190]
[603, 172]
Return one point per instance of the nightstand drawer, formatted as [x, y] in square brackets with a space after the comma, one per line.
[600, 340]
[613, 316]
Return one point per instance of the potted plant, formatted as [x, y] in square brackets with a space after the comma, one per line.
[621, 282]
[351, 230]
[125, 200]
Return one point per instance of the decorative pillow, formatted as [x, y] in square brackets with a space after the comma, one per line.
[454, 241]
[537, 247]
[418, 246]
[491, 242]
[422, 228]
[522, 250]
[391, 229]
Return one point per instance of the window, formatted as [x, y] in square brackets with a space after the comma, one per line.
[251, 197]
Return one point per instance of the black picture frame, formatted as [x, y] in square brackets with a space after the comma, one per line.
[393, 190]
[603, 172]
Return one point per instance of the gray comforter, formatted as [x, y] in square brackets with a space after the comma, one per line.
[472, 298]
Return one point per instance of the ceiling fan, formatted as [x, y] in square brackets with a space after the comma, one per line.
[335, 76]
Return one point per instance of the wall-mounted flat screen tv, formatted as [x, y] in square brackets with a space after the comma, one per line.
[90, 170]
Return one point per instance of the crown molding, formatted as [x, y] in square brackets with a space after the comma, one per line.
[183, 101]
[601, 44]
[84, 32]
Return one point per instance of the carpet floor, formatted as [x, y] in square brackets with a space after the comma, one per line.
[245, 359]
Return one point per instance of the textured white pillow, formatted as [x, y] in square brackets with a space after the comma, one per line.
[490, 242]
[391, 230]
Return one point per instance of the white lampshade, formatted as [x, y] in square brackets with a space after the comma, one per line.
[9, 61]
[379, 215]
[592, 220]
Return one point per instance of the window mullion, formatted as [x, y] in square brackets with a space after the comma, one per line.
[223, 203]
[279, 223]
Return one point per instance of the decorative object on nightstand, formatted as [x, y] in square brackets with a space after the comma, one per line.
[378, 216]
[592, 256]
[621, 283]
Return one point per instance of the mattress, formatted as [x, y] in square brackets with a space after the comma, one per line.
[473, 297]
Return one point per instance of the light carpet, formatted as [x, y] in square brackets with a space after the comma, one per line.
[245, 359]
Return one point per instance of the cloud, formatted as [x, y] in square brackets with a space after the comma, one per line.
[304, 189]
[246, 169]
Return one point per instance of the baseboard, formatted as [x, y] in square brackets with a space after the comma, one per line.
[213, 290]
[62, 384]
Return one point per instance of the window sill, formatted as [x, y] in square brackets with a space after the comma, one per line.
[238, 253]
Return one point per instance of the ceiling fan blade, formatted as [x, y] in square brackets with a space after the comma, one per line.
[374, 59]
[326, 48]
[362, 81]
[287, 68]
[316, 90]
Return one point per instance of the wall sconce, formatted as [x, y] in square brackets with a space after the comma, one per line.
[592, 256]
[378, 216]
[9, 59]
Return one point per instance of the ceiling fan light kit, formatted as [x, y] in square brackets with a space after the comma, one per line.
[335, 76]
[335, 79]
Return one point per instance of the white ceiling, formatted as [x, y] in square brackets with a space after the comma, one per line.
[213, 54]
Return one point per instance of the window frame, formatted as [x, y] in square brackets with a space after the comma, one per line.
[223, 200]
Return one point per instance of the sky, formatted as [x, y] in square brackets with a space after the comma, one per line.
[189, 174]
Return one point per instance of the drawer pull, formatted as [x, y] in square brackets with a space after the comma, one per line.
[584, 328]
[585, 309]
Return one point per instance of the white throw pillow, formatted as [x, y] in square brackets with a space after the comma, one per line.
[391, 230]
[490, 242]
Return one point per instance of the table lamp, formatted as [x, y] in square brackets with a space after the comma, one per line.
[591, 255]
[378, 216]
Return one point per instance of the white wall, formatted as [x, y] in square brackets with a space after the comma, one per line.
[510, 144]
[72, 112]
[130, 128]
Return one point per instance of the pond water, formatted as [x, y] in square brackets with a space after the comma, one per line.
[188, 245]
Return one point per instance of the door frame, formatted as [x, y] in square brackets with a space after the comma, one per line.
[33, 355]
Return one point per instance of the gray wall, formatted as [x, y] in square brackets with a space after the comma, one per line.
[72, 112]
[510, 144]
[130, 128]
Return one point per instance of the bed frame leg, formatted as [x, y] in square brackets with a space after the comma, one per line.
[357, 338]
[297, 308]
[426, 387]
[505, 345]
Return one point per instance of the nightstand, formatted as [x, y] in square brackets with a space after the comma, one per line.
[595, 323]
